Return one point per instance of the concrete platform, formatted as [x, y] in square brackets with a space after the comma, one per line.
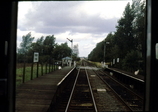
[36, 95]
[128, 73]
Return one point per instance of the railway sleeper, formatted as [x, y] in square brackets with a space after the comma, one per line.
[82, 104]
[81, 108]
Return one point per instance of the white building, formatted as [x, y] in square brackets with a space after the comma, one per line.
[75, 50]
[66, 61]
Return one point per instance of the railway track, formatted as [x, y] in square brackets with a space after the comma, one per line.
[81, 98]
[78, 95]
[132, 100]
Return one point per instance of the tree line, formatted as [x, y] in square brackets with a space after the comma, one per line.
[128, 41]
[46, 46]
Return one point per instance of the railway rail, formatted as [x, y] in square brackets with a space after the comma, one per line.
[81, 97]
[131, 99]
[78, 95]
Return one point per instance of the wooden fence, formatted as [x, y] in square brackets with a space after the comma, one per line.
[30, 71]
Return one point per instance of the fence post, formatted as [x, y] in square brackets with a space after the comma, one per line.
[37, 70]
[41, 69]
[49, 67]
[46, 68]
[24, 72]
[32, 71]
[52, 66]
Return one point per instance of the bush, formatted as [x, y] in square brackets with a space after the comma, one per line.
[131, 61]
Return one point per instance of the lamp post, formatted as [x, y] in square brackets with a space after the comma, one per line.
[105, 49]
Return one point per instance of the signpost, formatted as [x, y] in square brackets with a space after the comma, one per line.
[118, 60]
[35, 60]
[36, 57]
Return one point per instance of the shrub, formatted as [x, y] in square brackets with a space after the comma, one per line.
[130, 62]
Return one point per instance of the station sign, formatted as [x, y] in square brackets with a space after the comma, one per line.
[36, 57]
[113, 61]
[118, 60]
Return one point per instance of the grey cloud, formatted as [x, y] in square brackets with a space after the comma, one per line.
[55, 17]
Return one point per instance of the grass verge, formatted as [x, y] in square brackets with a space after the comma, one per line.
[41, 71]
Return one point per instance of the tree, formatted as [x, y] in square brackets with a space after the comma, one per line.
[97, 54]
[36, 47]
[139, 25]
[139, 28]
[128, 42]
[130, 62]
[48, 45]
[45, 47]
[26, 43]
[124, 34]
[61, 51]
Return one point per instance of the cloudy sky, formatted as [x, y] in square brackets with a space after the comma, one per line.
[87, 23]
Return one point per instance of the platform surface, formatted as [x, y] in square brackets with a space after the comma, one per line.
[36, 95]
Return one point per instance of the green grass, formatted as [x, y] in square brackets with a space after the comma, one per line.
[19, 73]
[97, 64]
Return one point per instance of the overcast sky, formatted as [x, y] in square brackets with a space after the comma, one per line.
[87, 23]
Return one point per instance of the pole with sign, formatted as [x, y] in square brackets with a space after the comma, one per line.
[35, 60]
[36, 57]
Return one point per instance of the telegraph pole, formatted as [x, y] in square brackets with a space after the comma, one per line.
[71, 40]
[105, 43]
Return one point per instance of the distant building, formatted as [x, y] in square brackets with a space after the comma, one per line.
[75, 50]
[66, 61]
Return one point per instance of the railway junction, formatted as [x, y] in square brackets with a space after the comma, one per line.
[80, 88]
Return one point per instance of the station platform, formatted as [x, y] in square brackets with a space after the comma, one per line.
[36, 95]
[128, 73]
